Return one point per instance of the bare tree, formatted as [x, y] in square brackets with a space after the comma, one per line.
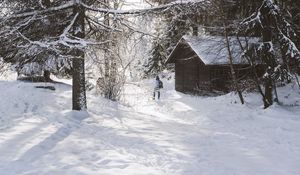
[271, 25]
[221, 9]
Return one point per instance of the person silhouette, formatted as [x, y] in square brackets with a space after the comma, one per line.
[158, 85]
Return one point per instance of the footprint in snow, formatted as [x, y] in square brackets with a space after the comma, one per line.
[26, 107]
[16, 105]
[104, 162]
[34, 108]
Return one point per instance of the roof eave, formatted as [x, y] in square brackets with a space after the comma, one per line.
[170, 57]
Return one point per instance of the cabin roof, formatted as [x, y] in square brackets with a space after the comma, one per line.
[212, 50]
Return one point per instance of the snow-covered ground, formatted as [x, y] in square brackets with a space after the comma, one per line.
[178, 135]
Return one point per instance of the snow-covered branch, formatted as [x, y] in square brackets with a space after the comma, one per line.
[146, 10]
[269, 16]
[67, 5]
[72, 3]
[291, 49]
[18, 26]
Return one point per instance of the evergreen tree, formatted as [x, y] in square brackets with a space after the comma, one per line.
[62, 29]
[155, 62]
[174, 24]
[23, 44]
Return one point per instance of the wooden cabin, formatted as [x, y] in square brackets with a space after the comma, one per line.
[202, 64]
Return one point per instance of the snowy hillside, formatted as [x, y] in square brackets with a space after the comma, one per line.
[178, 135]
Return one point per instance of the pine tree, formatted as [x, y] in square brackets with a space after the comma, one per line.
[155, 63]
[22, 45]
[174, 24]
[60, 29]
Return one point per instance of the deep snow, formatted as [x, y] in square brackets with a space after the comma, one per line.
[178, 135]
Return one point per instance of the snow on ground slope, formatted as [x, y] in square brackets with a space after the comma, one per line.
[178, 135]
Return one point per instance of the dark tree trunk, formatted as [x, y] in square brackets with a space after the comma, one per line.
[47, 76]
[79, 93]
[254, 71]
[195, 30]
[46, 4]
[268, 92]
[267, 58]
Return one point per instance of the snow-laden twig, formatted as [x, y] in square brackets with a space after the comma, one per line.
[41, 4]
[143, 11]
[18, 26]
[292, 50]
[136, 30]
[67, 5]
[68, 28]
[72, 3]
[102, 24]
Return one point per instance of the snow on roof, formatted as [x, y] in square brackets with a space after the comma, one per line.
[212, 49]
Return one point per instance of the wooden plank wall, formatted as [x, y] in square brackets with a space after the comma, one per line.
[192, 76]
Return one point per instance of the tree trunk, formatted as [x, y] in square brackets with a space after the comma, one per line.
[234, 78]
[113, 66]
[195, 29]
[107, 55]
[79, 93]
[46, 4]
[267, 58]
[254, 71]
[268, 92]
[110, 56]
[47, 76]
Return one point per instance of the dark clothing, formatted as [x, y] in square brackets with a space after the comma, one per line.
[156, 88]
[158, 94]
